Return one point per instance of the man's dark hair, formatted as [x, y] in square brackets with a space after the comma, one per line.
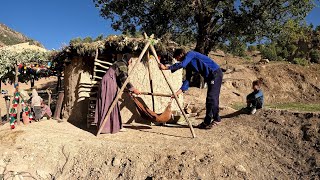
[178, 52]
[257, 83]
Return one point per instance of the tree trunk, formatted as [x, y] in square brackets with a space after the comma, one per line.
[203, 43]
[16, 80]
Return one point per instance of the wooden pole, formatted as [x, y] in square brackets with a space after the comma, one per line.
[156, 94]
[18, 113]
[16, 80]
[115, 101]
[150, 79]
[175, 96]
[57, 112]
[49, 98]
[8, 107]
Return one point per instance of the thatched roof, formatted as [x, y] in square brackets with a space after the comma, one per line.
[112, 44]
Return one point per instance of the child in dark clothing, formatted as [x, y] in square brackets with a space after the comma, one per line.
[255, 99]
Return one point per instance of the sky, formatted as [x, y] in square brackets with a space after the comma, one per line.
[55, 22]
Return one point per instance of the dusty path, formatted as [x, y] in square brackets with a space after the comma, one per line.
[268, 145]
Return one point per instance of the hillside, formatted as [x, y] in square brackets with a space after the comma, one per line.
[272, 144]
[9, 36]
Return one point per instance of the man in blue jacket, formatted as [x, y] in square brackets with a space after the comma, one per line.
[197, 62]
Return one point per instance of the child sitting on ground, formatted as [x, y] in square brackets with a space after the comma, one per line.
[45, 111]
[255, 99]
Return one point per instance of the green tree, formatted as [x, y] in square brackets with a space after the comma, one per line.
[99, 38]
[87, 40]
[75, 40]
[211, 22]
[237, 47]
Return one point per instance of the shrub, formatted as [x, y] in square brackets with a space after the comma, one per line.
[260, 47]
[252, 48]
[315, 56]
[300, 61]
[237, 47]
[270, 53]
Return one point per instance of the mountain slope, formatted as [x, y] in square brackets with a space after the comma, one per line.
[10, 37]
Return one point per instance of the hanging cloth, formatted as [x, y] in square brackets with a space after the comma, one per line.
[147, 114]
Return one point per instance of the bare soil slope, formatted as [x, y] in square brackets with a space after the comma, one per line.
[268, 145]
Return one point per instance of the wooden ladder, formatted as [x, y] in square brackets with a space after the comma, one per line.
[99, 69]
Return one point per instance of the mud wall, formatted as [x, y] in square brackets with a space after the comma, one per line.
[75, 110]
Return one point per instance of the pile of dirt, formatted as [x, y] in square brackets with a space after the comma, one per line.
[282, 82]
[268, 145]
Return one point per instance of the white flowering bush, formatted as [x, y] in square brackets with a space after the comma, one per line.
[9, 59]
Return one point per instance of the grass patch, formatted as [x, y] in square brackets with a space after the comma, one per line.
[286, 106]
[238, 106]
[296, 106]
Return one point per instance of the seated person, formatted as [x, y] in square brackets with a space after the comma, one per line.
[45, 111]
[255, 99]
[36, 104]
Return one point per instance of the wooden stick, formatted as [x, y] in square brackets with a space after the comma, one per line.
[97, 77]
[49, 98]
[98, 70]
[115, 101]
[154, 94]
[18, 112]
[175, 96]
[98, 64]
[150, 79]
[57, 112]
[8, 107]
[94, 67]
[16, 80]
[103, 62]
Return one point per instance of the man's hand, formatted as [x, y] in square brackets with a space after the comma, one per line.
[163, 67]
[177, 93]
[136, 91]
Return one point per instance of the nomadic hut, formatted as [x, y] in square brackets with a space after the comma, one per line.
[81, 76]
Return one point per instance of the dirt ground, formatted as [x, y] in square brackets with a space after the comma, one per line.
[269, 145]
[272, 144]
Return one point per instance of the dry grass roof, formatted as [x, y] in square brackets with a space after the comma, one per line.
[112, 44]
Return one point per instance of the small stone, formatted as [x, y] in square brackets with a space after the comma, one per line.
[240, 168]
[116, 162]
[264, 61]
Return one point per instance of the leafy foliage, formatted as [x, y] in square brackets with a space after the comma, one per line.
[9, 59]
[269, 52]
[300, 61]
[210, 22]
[315, 56]
[237, 47]
[297, 43]
[252, 48]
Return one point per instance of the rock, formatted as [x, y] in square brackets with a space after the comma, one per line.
[229, 71]
[116, 162]
[264, 61]
[240, 168]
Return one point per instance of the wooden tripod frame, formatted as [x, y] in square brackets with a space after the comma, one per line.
[115, 100]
